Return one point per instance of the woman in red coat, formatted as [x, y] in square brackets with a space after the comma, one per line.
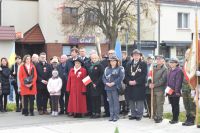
[28, 87]
[77, 99]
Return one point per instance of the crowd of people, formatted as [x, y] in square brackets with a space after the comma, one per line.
[121, 86]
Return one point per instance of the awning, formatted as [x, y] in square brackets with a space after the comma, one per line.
[7, 33]
[33, 36]
[176, 43]
[146, 44]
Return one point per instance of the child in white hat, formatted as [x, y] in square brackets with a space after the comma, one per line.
[54, 87]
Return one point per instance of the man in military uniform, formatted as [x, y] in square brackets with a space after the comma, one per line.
[135, 78]
[198, 74]
[158, 85]
[189, 105]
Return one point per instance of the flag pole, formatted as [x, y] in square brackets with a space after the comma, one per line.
[152, 93]
[197, 61]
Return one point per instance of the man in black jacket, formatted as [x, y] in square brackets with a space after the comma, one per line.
[135, 78]
[14, 71]
[62, 69]
[43, 75]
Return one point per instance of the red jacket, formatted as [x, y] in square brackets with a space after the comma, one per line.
[76, 88]
[22, 75]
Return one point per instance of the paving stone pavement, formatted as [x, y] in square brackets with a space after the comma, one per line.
[12, 122]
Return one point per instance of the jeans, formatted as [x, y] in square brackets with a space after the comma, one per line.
[113, 100]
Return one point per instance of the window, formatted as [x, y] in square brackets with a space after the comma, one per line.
[70, 15]
[183, 20]
[180, 52]
[90, 17]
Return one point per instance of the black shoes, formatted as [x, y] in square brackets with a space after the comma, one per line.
[135, 118]
[138, 118]
[26, 114]
[18, 110]
[158, 120]
[188, 123]
[173, 122]
[106, 115]
[132, 118]
[198, 126]
[95, 116]
[32, 114]
[61, 113]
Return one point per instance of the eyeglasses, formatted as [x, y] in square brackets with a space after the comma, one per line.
[110, 53]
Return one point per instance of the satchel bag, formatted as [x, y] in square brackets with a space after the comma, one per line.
[29, 78]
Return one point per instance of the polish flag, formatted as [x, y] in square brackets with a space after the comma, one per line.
[87, 80]
[150, 73]
[168, 90]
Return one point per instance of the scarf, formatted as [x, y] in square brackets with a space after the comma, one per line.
[92, 65]
[76, 69]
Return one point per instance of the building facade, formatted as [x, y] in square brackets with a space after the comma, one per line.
[177, 23]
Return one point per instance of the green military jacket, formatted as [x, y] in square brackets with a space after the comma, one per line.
[160, 78]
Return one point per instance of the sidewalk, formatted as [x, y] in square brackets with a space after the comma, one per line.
[12, 122]
[16, 123]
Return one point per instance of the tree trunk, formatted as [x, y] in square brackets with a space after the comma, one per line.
[113, 39]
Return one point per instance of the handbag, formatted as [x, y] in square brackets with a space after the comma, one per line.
[29, 78]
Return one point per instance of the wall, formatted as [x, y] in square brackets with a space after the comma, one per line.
[8, 50]
[168, 22]
[22, 14]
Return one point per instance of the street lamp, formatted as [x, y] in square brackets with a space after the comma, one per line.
[138, 24]
[158, 43]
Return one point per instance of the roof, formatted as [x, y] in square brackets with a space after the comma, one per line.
[180, 2]
[7, 33]
[33, 36]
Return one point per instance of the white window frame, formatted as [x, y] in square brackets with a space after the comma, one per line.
[183, 23]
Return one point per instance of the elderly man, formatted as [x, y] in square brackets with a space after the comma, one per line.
[158, 85]
[35, 59]
[62, 69]
[135, 78]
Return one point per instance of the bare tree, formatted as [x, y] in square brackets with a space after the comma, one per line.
[109, 15]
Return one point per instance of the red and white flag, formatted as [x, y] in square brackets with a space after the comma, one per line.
[150, 73]
[87, 80]
[193, 60]
[169, 90]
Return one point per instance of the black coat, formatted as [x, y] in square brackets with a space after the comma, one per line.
[5, 75]
[43, 73]
[63, 74]
[136, 92]
[96, 76]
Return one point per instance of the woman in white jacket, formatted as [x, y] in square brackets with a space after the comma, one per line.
[54, 87]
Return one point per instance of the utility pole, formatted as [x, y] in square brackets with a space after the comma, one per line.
[158, 43]
[138, 25]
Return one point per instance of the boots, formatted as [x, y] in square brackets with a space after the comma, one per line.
[186, 121]
[189, 121]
